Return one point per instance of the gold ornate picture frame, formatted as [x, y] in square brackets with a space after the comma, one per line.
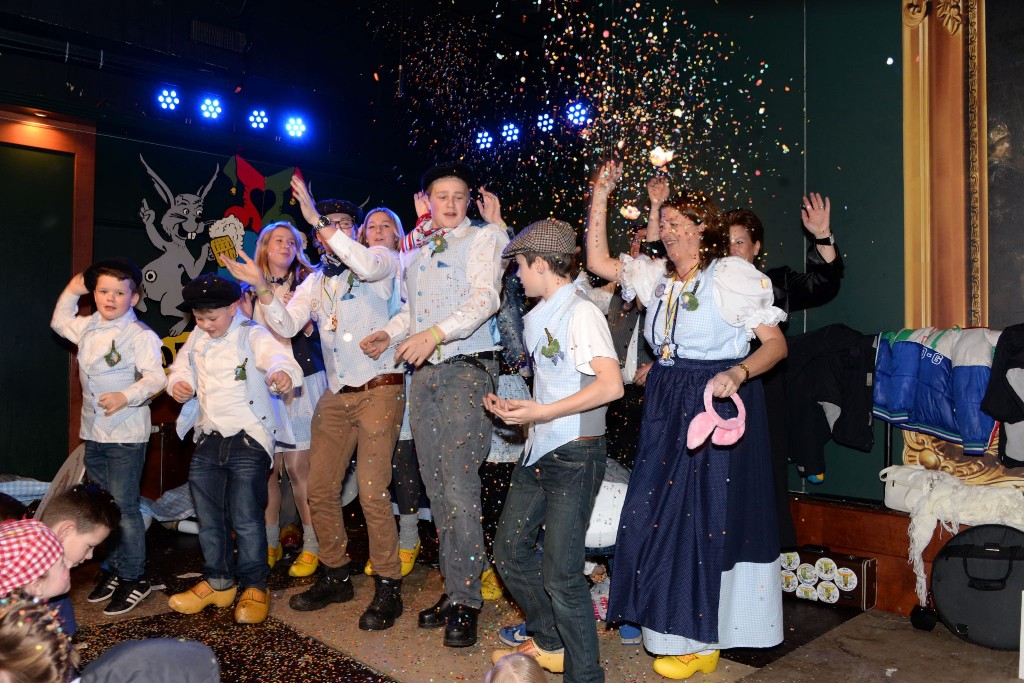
[946, 196]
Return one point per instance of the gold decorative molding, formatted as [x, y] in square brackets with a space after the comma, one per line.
[977, 176]
[935, 454]
[914, 13]
[950, 14]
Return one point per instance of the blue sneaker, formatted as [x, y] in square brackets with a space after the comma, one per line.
[514, 636]
[630, 635]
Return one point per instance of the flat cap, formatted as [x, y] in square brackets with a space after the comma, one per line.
[549, 236]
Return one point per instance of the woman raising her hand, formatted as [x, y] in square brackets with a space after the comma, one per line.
[696, 563]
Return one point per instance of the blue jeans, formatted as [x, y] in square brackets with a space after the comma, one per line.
[228, 478]
[556, 492]
[117, 467]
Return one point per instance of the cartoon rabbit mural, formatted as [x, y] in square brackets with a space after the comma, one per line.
[180, 224]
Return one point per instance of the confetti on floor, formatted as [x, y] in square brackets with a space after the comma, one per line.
[267, 653]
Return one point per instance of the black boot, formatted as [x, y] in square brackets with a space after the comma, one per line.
[385, 607]
[460, 631]
[436, 616]
[332, 585]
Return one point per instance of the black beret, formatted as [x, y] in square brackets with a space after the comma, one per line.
[209, 291]
[120, 265]
[451, 170]
[329, 206]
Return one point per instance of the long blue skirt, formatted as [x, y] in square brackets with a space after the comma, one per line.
[691, 518]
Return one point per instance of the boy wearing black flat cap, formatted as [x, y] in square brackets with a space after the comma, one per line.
[451, 270]
[225, 375]
[120, 367]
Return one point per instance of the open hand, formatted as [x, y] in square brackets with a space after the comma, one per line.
[514, 411]
[489, 206]
[246, 271]
[305, 199]
[658, 190]
[608, 176]
[815, 214]
[422, 203]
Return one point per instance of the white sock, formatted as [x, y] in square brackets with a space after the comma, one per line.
[273, 535]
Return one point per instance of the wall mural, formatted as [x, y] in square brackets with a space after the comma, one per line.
[189, 236]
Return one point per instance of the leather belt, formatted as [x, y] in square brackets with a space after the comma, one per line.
[590, 438]
[378, 381]
[470, 357]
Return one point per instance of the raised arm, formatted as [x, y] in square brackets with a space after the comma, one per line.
[657, 191]
[600, 262]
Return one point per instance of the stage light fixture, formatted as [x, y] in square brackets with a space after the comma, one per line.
[168, 99]
[545, 123]
[258, 118]
[211, 108]
[295, 127]
[510, 132]
[577, 114]
[484, 140]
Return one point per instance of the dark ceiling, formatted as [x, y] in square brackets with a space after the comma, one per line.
[337, 60]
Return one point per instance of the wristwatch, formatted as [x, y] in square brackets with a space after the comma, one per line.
[321, 223]
[825, 241]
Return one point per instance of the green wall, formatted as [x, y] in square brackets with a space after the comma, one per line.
[852, 152]
[37, 220]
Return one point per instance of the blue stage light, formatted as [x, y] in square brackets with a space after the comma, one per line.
[168, 99]
[545, 123]
[577, 114]
[484, 140]
[510, 132]
[210, 108]
[295, 127]
[258, 118]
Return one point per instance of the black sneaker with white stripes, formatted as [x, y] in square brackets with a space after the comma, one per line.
[105, 586]
[126, 596]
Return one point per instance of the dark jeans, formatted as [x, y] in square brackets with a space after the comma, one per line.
[556, 492]
[228, 478]
[406, 484]
[117, 467]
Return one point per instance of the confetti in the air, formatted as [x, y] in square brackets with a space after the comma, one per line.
[648, 86]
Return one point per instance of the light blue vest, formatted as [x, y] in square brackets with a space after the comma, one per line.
[546, 333]
[103, 378]
[700, 334]
[359, 311]
[268, 408]
[437, 284]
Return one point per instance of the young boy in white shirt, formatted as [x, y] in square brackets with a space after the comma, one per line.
[120, 368]
[576, 373]
[224, 374]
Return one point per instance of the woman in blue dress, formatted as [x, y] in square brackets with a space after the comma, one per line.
[697, 561]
